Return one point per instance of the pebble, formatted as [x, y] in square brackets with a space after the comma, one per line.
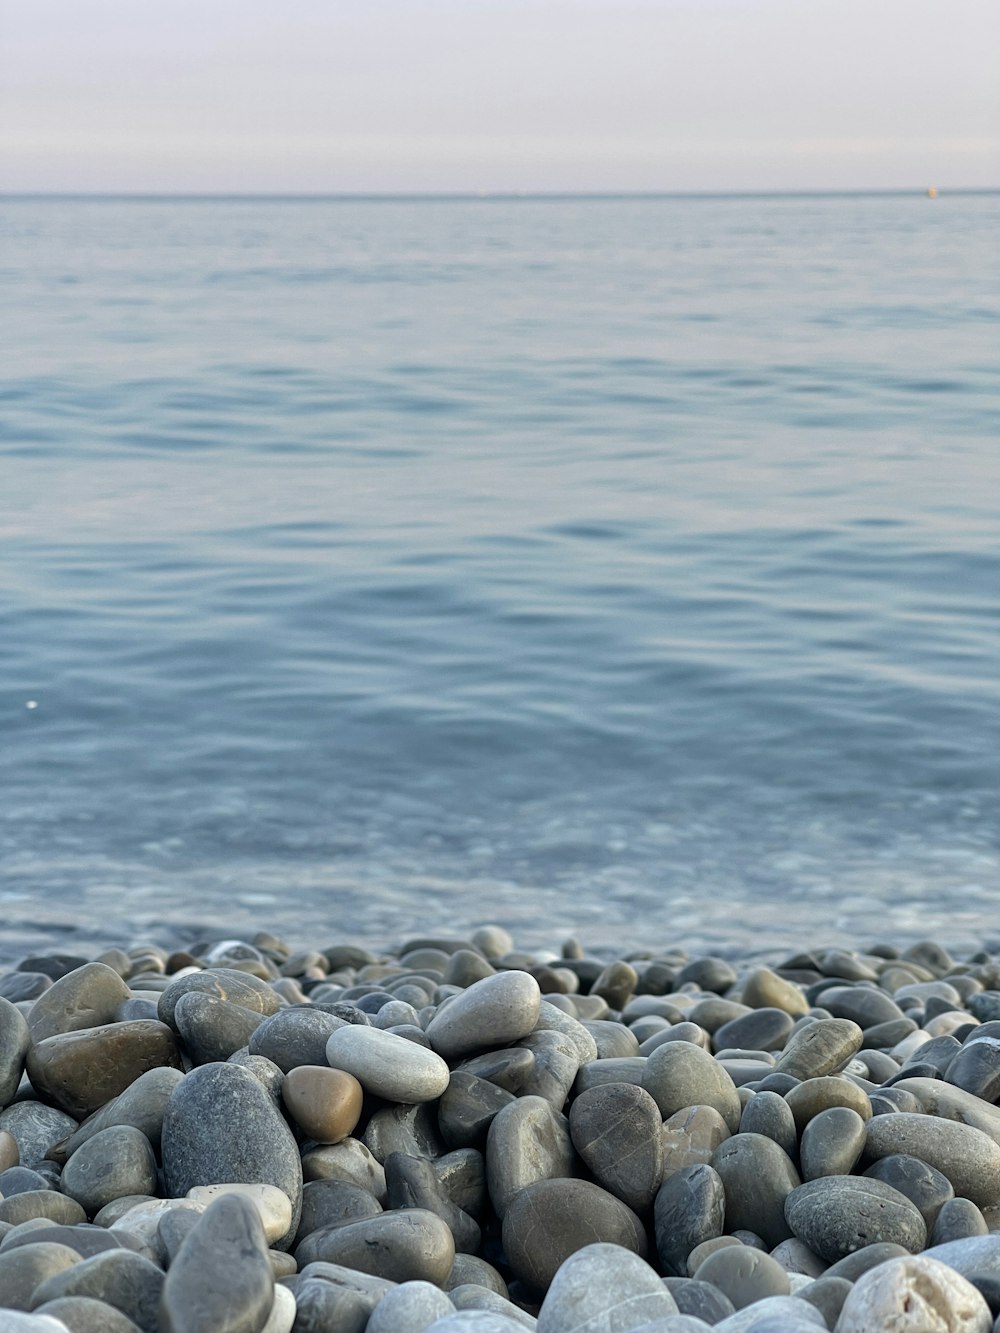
[325, 1103]
[26, 1267]
[690, 1208]
[914, 1295]
[839, 1214]
[679, 1074]
[617, 1130]
[690, 1093]
[221, 1126]
[550, 1220]
[496, 1011]
[601, 1287]
[220, 1281]
[386, 1065]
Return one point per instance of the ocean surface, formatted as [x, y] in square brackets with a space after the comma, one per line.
[621, 567]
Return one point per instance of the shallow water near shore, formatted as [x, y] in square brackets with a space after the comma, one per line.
[626, 566]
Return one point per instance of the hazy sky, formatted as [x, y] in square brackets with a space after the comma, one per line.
[467, 95]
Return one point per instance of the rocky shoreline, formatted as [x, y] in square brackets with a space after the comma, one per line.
[459, 1134]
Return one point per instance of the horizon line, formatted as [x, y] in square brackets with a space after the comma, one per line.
[484, 196]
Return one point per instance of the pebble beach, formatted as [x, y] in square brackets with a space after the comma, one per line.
[458, 1133]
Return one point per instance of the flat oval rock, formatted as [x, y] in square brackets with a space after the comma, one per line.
[496, 1011]
[115, 1162]
[832, 1143]
[602, 1286]
[405, 1246]
[295, 1036]
[223, 983]
[821, 1047]
[388, 1066]
[552, 1219]
[839, 1214]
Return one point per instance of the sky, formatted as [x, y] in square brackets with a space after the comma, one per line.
[442, 96]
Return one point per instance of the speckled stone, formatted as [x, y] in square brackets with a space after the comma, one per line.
[690, 1208]
[35, 1128]
[601, 1286]
[914, 1295]
[839, 1214]
[552, 1219]
[115, 1162]
[220, 1280]
[968, 1157]
[923, 1185]
[221, 1126]
[496, 1011]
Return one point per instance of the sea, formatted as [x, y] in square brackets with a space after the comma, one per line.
[625, 568]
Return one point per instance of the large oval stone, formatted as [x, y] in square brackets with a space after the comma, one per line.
[618, 1131]
[81, 1071]
[528, 1141]
[221, 1126]
[387, 1065]
[913, 1296]
[690, 1208]
[493, 1012]
[758, 1177]
[969, 1158]
[552, 1219]
[839, 1214]
[117, 1162]
[223, 983]
[821, 1047]
[411, 1245]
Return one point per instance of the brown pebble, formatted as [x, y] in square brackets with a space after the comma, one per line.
[324, 1103]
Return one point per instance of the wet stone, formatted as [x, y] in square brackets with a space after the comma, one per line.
[552, 1219]
[325, 1103]
[690, 1208]
[617, 1130]
[837, 1215]
[744, 1275]
[82, 1070]
[757, 1177]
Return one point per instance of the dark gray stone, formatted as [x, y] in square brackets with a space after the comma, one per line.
[120, 1278]
[957, 1220]
[837, 1215]
[328, 1202]
[968, 1157]
[679, 1074]
[757, 1177]
[142, 1105]
[221, 1279]
[295, 1036]
[821, 1047]
[115, 1162]
[618, 1131]
[828, 1295]
[24, 1268]
[212, 1029]
[221, 1126]
[690, 1208]
[760, 1030]
[699, 1300]
[223, 983]
[467, 1108]
[924, 1186]
[411, 1182]
[832, 1143]
[769, 1114]
[409, 1245]
[13, 1049]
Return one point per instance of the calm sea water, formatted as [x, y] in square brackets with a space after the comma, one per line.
[625, 566]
